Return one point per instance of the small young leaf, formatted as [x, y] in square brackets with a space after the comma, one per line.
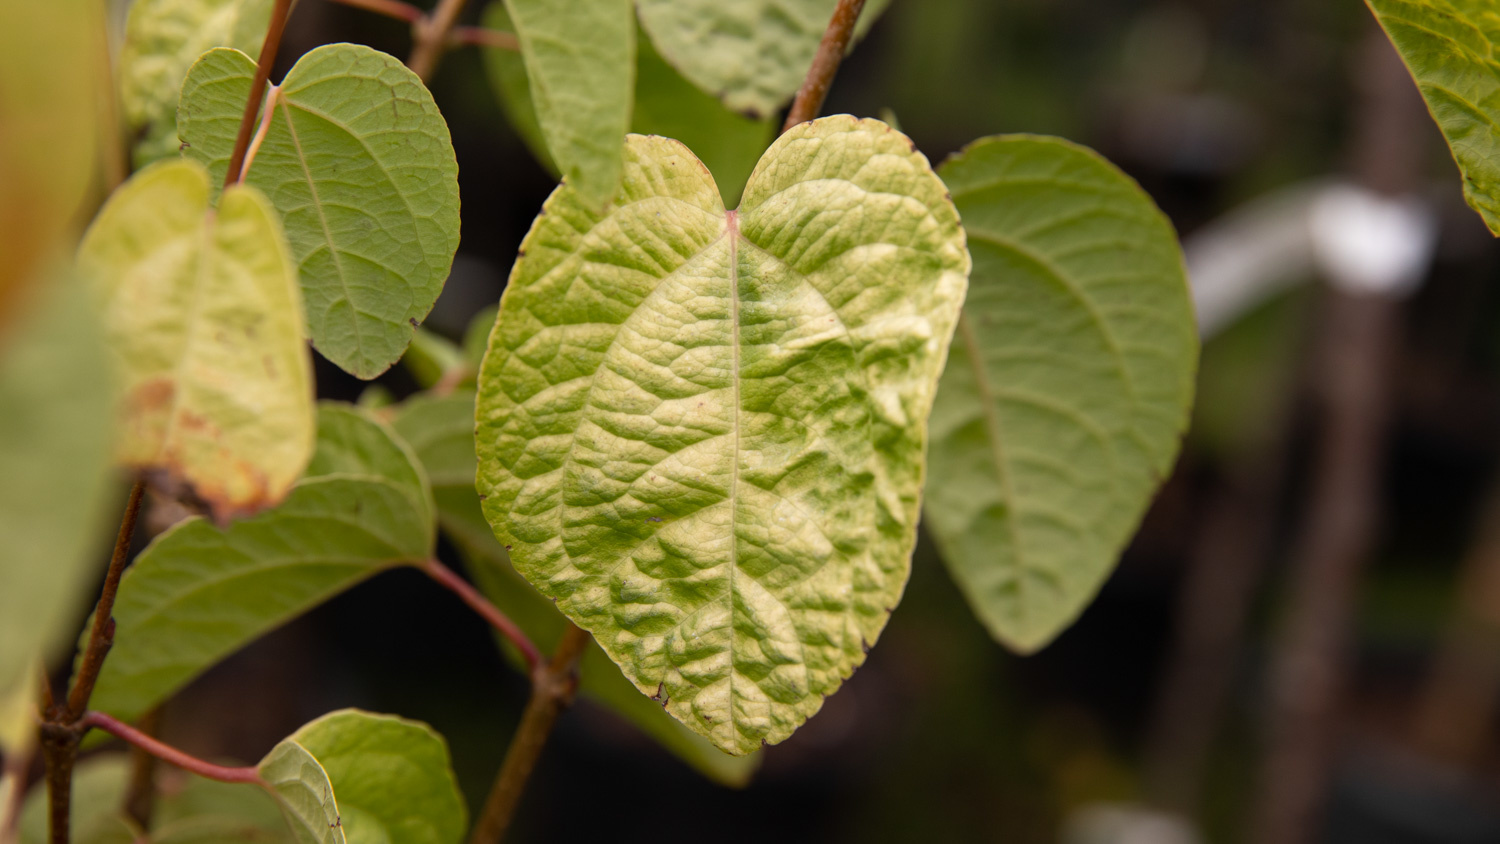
[55, 431]
[1069, 384]
[358, 161]
[94, 812]
[441, 431]
[162, 40]
[752, 54]
[306, 796]
[703, 430]
[202, 314]
[198, 592]
[580, 57]
[392, 777]
[1449, 46]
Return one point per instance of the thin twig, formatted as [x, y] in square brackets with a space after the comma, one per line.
[102, 635]
[263, 67]
[483, 36]
[264, 129]
[431, 35]
[390, 8]
[825, 64]
[168, 753]
[140, 793]
[488, 611]
[553, 685]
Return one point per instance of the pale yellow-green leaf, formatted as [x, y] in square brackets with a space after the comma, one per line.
[306, 796]
[18, 714]
[702, 431]
[162, 40]
[1069, 384]
[202, 314]
[1449, 47]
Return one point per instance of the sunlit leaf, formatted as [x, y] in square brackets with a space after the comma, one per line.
[359, 162]
[1449, 47]
[94, 816]
[702, 431]
[752, 54]
[162, 40]
[306, 796]
[198, 592]
[55, 431]
[1069, 383]
[392, 777]
[203, 319]
[441, 431]
[580, 57]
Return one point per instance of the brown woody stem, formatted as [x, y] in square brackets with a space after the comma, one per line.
[263, 67]
[390, 8]
[432, 37]
[552, 688]
[825, 63]
[479, 36]
[167, 753]
[102, 636]
[488, 611]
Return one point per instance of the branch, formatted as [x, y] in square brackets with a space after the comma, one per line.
[431, 35]
[268, 50]
[167, 753]
[102, 637]
[488, 611]
[552, 688]
[390, 8]
[480, 36]
[825, 64]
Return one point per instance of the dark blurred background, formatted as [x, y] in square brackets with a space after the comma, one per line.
[1139, 715]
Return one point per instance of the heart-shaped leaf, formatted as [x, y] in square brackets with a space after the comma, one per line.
[203, 317]
[1069, 384]
[702, 431]
[751, 54]
[1449, 47]
[198, 592]
[305, 793]
[162, 40]
[358, 161]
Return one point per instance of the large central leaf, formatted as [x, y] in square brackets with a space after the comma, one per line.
[702, 431]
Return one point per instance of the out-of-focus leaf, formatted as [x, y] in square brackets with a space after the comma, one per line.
[431, 356]
[751, 54]
[580, 59]
[55, 430]
[94, 817]
[220, 830]
[198, 592]
[51, 75]
[1068, 388]
[193, 805]
[477, 336]
[1449, 47]
[392, 777]
[203, 318]
[703, 431]
[162, 40]
[306, 796]
[441, 431]
[358, 161]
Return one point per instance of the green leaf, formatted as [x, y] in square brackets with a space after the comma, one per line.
[54, 475]
[198, 593]
[220, 830]
[441, 431]
[1069, 383]
[199, 808]
[358, 160]
[94, 813]
[393, 778]
[430, 357]
[580, 57]
[202, 315]
[665, 104]
[751, 54]
[306, 796]
[162, 40]
[703, 431]
[1449, 47]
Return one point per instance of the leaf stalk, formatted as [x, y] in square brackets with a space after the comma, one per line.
[268, 49]
[825, 65]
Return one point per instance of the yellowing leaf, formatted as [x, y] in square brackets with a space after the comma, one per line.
[358, 161]
[202, 315]
[1069, 384]
[702, 431]
[162, 40]
[1449, 47]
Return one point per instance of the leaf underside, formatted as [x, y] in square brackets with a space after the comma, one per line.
[1068, 386]
[302, 788]
[203, 319]
[1449, 48]
[359, 162]
[702, 431]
